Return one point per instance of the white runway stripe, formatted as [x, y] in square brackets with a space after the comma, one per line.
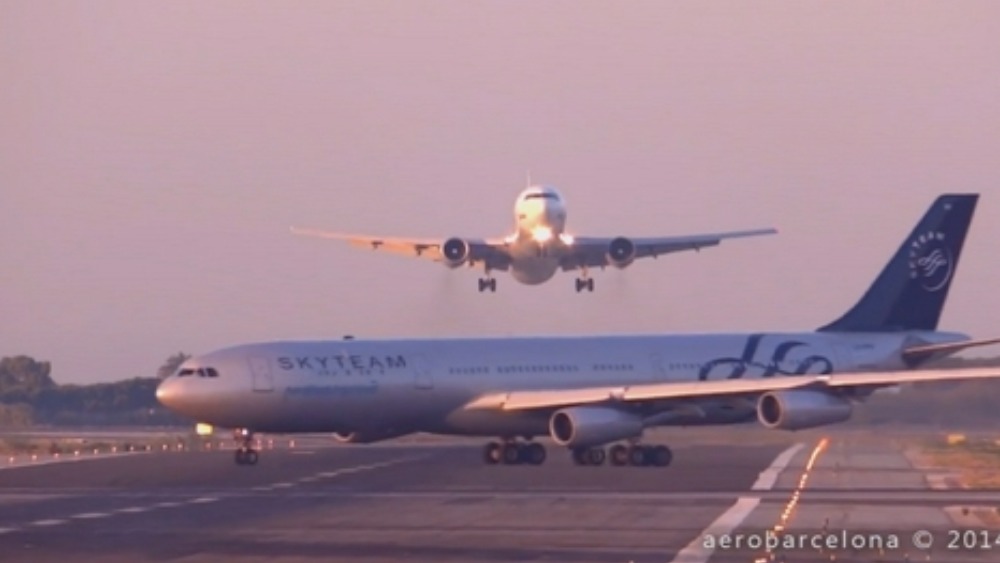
[696, 551]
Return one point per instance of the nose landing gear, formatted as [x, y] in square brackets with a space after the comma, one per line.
[488, 284]
[245, 454]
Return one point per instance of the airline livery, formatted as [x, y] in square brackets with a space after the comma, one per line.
[587, 392]
[539, 247]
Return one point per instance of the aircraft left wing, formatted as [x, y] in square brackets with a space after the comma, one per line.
[493, 252]
[559, 398]
[592, 252]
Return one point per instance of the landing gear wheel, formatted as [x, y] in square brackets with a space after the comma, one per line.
[637, 455]
[619, 455]
[596, 456]
[584, 283]
[534, 453]
[580, 456]
[246, 456]
[511, 454]
[660, 456]
[493, 453]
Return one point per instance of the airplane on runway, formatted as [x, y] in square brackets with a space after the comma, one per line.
[589, 391]
[539, 246]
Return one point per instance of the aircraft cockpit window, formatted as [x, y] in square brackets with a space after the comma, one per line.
[542, 195]
[185, 372]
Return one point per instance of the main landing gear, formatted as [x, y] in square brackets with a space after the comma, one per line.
[245, 454]
[584, 283]
[510, 452]
[514, 453]
[620, 454]
[487, 283]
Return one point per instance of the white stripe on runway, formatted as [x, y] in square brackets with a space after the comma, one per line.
[696, 551]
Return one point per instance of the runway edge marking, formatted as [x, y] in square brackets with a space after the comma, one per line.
[696, 552]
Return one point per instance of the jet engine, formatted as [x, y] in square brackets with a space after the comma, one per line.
[797, 410]
[455, 252]
[368, 436]
[621, 252]
[591, 426]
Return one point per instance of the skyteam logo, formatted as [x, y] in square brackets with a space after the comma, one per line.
[930, 261]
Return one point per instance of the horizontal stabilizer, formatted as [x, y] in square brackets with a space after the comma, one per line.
[925, 350]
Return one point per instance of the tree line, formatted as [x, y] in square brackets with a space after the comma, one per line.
[29, 396]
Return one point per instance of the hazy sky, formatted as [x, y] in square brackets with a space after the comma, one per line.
[153, 156]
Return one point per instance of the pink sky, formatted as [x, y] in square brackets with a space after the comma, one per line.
[153, 155]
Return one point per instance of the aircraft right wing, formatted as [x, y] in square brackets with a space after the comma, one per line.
[492, 252]
[548, 399]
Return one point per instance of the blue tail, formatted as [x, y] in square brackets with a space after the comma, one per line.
[911, 290]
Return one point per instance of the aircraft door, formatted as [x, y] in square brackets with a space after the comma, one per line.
[263, 380]
[422, 378]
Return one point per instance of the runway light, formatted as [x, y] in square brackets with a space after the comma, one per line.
[793, 501]
[566, 239]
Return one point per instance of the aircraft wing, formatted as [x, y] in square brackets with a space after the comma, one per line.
[480, 250]
[593, 251]
[559, 398]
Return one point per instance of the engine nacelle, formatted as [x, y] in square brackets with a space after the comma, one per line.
[367, 437]
[797, 410]
[591, 426]
[621, 252]
[455, 252]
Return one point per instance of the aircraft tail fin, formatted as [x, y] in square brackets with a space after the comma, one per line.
[911, 291]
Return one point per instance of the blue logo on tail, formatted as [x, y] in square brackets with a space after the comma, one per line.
[930, 261]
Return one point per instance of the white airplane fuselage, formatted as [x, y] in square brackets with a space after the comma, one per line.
[539, 237]
[434, 385]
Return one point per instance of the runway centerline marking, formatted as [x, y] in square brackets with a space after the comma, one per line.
[6, 530]
[697, 551]
[90, 515]
[53, 522]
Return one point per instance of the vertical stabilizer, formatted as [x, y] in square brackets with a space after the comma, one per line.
[910, 292]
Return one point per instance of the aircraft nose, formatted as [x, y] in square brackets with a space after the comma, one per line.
[168, 392]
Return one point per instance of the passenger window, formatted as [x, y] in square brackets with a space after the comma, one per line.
[210, 372]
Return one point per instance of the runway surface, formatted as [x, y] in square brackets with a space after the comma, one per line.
[438, 502]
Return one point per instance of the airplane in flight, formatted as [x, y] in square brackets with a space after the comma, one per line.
[539, 246]
[585, 392]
